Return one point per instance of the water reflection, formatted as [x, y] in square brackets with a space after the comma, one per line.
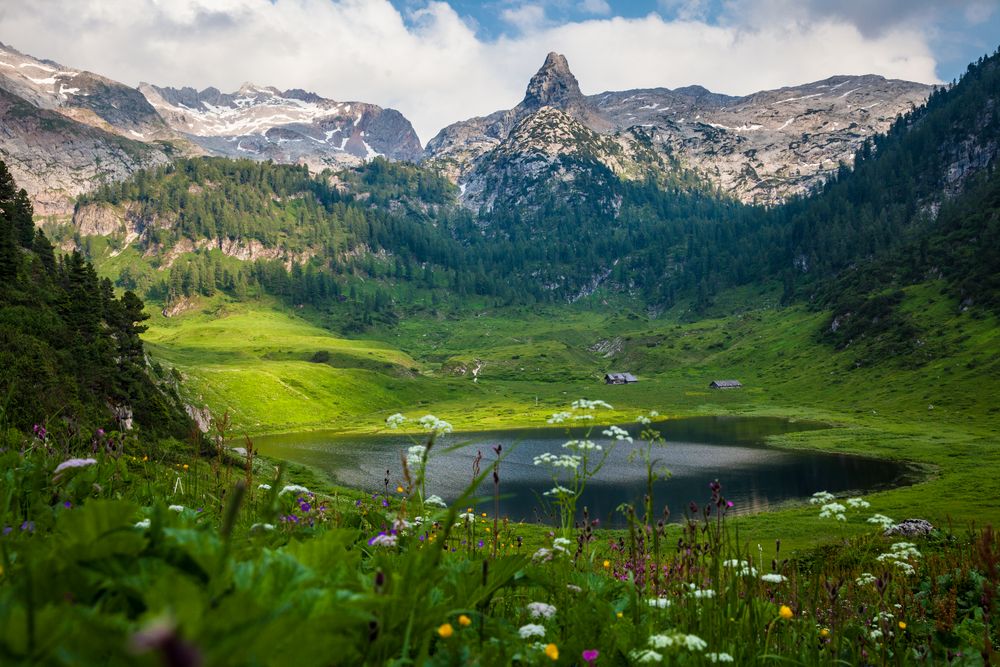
[698, 449]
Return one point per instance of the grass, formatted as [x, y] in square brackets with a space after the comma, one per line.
[253, 359]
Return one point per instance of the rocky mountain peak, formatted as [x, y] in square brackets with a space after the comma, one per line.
[552, 85]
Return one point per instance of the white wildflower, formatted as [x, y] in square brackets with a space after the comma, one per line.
[264, 487]
[646, 655]
[644, 420]
[702, 593]
[773, 578]
[821, 498]
[719, 657]
[542, 555]
[881, 520]
[835, 510]
[694, 643]
[584, 404]
[617, 433]
[415, 455]
[582, 417]
[293, 488]
[561, 542]
[559, 417]
[432, 423]
[541, 610]
[661, 641]
[401, 524]
[573, 588]
[395, 421]
[142, 524]
[435, 501]
[531, 630]
[659, 603]
[74, 463]
[266, 527]
[558, 490]
[905, 567]
[654, 413]
[176, 508]
[875, 634]
[582, 445]
[742, 567]
[568, 461]
[858, 503]
[866, 579]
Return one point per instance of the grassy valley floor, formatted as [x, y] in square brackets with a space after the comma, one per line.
[275, 371]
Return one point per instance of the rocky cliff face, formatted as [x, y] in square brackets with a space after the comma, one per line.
[760, 148]
[65, 131]
[292, 126]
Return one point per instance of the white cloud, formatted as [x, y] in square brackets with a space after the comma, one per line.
[598, 7]
[526, 18]
[430, 65]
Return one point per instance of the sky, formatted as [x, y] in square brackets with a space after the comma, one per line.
[439, 62]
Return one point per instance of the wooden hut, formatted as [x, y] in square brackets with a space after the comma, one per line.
[725, 384]
[620, 378]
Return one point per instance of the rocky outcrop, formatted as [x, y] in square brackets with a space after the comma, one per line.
[292, 126]
[760, 148]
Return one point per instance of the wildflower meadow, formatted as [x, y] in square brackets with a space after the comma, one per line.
[118, 553]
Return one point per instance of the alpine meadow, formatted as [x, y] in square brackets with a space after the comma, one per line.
[651, 375]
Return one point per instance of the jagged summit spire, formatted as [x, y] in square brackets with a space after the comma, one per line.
[553, 84]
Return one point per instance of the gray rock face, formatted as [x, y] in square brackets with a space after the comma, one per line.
[760, 148]
[56, 158]
[65, 131]
[910, 528]
[292, 126]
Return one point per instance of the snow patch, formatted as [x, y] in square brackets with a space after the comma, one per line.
[793, 99]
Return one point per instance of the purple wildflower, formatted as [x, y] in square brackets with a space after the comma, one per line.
[28, 526]
[6, 530]
[68, 504]
[590, 656]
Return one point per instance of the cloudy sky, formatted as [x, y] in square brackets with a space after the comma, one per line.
[438, 62]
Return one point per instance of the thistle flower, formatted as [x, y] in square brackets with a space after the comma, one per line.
[382, 540]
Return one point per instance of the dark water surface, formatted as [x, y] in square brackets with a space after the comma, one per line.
[697, 450]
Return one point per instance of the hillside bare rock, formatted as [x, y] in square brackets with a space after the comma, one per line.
[56, 158]
[761, 148]
[291, 126]
[130, 225]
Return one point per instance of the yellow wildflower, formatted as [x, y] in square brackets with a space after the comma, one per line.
[446, 631]
[607, 564]
[902, 625]
[552, 651]
[399, 489]
[824, 633]
[785, 612]
[464, 621]
[620, 614]
[185, 466]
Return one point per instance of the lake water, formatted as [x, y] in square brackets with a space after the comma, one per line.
[697, 450]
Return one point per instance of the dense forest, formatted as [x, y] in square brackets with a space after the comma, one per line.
[70, 353]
